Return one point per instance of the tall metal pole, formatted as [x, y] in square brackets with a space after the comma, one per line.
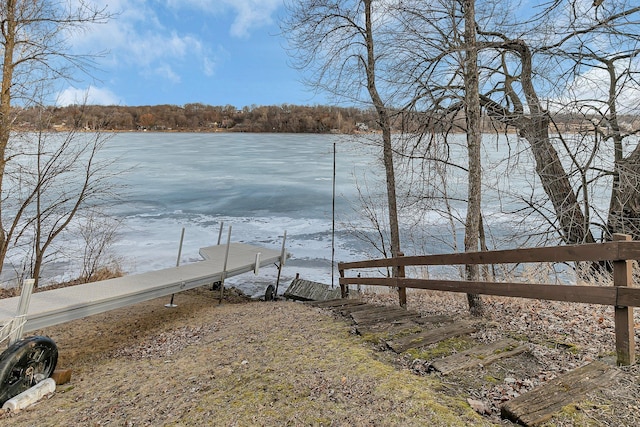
[171, 304]
[333, 219]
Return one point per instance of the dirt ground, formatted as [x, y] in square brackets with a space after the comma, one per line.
[238, 363]
[250, 363]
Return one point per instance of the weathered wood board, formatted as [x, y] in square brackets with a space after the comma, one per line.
[435, 319]
[539, 405]
[382, 313]
[306, 290]
[389, 329]
[480, 355]
[367, 309]
[404, 326]
[432, 336]
[336, 303]
[388, 316]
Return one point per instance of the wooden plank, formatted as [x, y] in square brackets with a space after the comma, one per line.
[346, 311]
[480, 355]
[435, 319]
[629, 297]
[389, 312]
[384, 317]
[584, 252]
[397, 327]
[388, 318]
[432, 336]
[369, 308]
[539, 405]
[628, 250]
[605, 295]
[339, 302]
[401, 326]
[306, 290]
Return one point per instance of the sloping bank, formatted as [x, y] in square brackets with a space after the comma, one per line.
[271, 364]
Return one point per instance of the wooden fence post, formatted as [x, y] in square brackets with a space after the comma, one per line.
[625, 337]
[344, 289]
[402, 291]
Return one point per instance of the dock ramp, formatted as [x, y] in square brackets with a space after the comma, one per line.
[48, 308]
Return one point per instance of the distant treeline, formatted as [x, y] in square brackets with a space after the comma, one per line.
[275, 118]
[201, 117]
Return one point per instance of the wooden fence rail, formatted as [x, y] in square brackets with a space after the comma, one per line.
[620, 252]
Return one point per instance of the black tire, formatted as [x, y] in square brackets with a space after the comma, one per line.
[269, 294]
[24, 364]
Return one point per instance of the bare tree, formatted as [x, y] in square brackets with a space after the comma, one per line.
[338, 41]
[97, 233]
[51, 180]
[474, 142]
[518, 62]
[601, 54]
[32, 40]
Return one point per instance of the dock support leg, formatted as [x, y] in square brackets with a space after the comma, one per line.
[224, 269]
[17, 324]
[283, 256]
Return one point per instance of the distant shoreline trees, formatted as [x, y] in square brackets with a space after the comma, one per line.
[197, 117]
[284, 118]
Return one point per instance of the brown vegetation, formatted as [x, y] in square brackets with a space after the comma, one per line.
[284, 118]
[200, 117]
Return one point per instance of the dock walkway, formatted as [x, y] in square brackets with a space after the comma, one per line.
[48, 308]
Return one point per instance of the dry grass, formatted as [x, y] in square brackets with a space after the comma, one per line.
[235, 364]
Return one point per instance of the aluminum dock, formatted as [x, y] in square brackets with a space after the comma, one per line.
[61, 305]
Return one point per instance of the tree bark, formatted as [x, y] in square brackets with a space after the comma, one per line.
[385, 125]
[534, 128]
[9, 28]
[474, 141]
[624, 206]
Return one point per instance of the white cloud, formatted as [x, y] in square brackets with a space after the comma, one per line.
[592, 89]
[135, 36]
[208, 67]
[144, 39]
[249, 14]
[165, 71]
[90, 96]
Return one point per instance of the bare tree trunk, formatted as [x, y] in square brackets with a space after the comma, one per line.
[624, 210]
[9, 30]
[34, 37]
[624, 206]
[573, 224]
[534, 128]
[474, 140]
[385, 124]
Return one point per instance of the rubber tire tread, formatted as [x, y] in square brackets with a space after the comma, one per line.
[15, 354]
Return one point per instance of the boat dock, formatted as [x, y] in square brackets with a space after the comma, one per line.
[48, 308]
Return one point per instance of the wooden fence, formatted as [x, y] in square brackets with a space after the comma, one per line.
[620, 252]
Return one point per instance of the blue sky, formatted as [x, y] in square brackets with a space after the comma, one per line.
[217, 52]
